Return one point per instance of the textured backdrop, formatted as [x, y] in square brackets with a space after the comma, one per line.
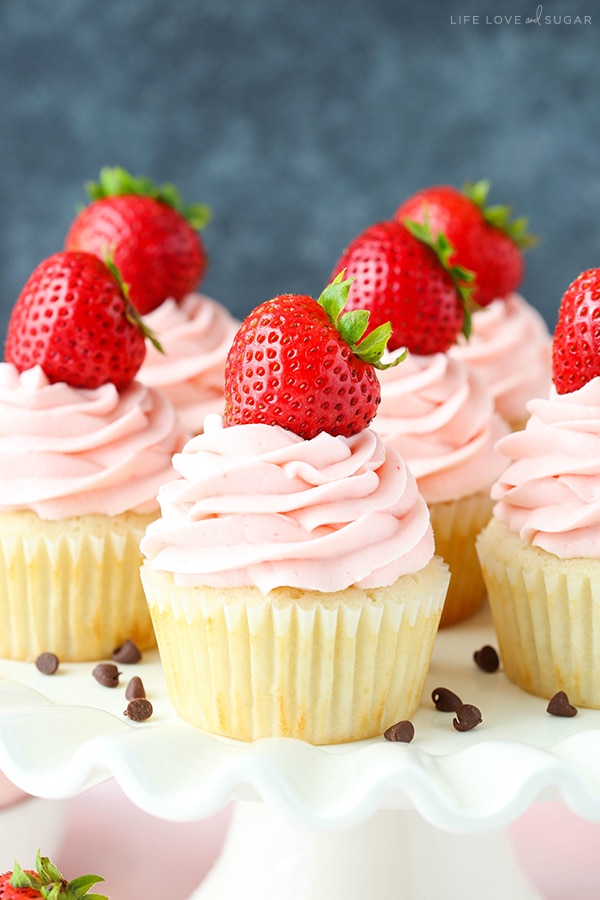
[300, 123]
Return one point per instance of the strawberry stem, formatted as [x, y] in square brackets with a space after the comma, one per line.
[116, 182]
[131, 313]
[353, 324]
[499, 216]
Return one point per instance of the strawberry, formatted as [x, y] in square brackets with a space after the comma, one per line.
[576, 343]
[484, 239]
[152, 236]
[401, 275]
[46, 882]
[74, 320]
[305, 365]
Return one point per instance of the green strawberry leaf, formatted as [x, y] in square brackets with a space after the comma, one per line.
[21, 879]
[461, 277]
[499, 216]
[80, 886]
[116, 182]
[353, 324]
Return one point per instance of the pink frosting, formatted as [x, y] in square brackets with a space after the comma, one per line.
[68, 451]
[440, 418]
[258, 505]
[196, 335]
[510, 348]
[550, 494]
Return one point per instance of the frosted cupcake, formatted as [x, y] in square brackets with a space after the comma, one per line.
[509, 345]
[195, 335]
[291, 577]
[80, 466]
[540, 553]
[440, 418]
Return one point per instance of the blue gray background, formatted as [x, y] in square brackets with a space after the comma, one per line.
[300, 123]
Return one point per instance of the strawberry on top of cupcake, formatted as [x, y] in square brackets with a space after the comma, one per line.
[150, 233]
[510, 344]
[541, 550]
[291, 577]
[154, 238]
[434, 409]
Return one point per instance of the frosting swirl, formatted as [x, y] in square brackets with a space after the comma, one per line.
[510, 348]
[258, 505]
[440, 418]
[550, 494]
[196, 335]
[68, 451]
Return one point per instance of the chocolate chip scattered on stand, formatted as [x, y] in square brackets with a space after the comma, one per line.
[106, 674]
[135, 688]
[401, 731]
[127, 653]
[445, 700]
[47, 663]
[139, 709]
[487, 659]
[467, 717]
[559, 706]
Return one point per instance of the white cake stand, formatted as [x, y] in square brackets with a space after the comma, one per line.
[421, 820]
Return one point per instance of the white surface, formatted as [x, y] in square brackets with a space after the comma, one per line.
[461, 782]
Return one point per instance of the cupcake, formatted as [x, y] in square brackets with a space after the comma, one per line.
[291, 577]
[540, 551]
[83, 450]
[509, 344]
[440, 418]
[434, 410]
[195, 335]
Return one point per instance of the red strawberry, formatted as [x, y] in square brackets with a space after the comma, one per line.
[152, 236]
[46, 882]
[401, 275]
[484, 239]
[73, 319]
[576, 344]
[303, 364]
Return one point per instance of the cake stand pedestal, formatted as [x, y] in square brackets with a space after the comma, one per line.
[372, 818]
[395, 855]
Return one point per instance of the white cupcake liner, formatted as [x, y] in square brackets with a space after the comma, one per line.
[546, 614]
[71, 587]
[321, 668]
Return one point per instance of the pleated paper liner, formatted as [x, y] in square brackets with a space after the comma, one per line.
[325, 668]
[72, 586]
[546, 613]
[456, 524]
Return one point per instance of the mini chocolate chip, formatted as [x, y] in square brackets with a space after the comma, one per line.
[467, 717]
[487, 659]
[135, 689]
[559, 706]
[139, 709]
[106, 674]
[445, 700]
[127, 653]
[401, 731]
[47, 663]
